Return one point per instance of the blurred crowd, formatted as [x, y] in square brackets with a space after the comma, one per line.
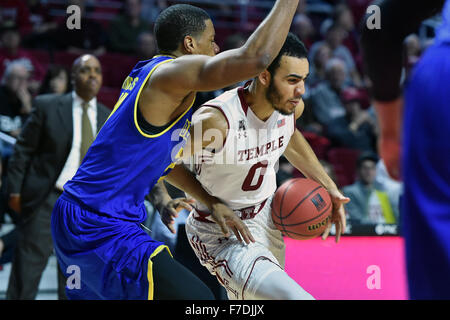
[37, 50]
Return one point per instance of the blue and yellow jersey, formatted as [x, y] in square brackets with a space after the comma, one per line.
[124, 162]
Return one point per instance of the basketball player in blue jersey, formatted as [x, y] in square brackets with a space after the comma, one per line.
[420, 131]
[96, 221]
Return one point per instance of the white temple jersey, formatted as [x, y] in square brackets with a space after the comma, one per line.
[243, 172]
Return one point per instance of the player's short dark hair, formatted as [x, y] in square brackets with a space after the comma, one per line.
[175, 23]
[292, 47]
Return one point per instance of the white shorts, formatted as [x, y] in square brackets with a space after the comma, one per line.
[239, 267]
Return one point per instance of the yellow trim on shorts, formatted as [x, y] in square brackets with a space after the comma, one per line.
[150, 269]
[136, 106]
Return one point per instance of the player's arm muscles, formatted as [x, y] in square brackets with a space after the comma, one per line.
[300, 154]
[192, 73]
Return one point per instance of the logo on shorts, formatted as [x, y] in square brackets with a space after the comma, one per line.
[318, 202]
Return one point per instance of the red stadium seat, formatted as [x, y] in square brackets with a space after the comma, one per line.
[42, 56]
[319, 144]
[344, 161]
[116, 68]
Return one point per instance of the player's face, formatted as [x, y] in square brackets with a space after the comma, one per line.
[206, 43]
[287, 86]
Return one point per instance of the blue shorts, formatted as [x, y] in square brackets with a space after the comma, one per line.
[426, 176]
[110, 257]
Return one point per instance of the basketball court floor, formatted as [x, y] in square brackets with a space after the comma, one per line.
[358, 268]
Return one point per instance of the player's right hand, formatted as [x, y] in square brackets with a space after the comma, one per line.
[338, 214]
[169, 211]
[225, 217]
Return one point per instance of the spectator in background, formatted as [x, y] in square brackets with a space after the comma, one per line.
[325, 98]
[393, 188]
[15, 101]
[317, 74]
[337, 109]
[304, 29]
[15, 13]
[56, 81]
[344, 18]
[12, 50]
[47, 154]
[334, 35]
[413, 51]
[369, 203]
[151, 9]
[146, 46]
[358, 129]
[359, 119]
[43, 25]
[124, 30]
[89, 39]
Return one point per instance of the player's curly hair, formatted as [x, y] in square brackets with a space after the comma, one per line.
[175, 23]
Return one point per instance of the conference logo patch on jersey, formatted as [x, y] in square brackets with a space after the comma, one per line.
[242, 130]
[242, 126]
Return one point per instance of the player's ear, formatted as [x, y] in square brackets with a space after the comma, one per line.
[265, 77]
[189, 44]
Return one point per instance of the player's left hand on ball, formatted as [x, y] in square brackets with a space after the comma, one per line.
[338, 214]
[225, 217]
[169, 211]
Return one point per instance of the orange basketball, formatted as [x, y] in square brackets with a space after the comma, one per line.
[301, 209]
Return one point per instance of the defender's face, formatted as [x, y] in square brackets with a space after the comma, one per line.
[287, 85]
[206, 43]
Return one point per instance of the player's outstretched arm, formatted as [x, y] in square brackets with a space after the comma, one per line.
[192, 73]
[181, 178]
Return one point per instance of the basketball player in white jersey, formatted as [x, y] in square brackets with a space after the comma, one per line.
[237, 140]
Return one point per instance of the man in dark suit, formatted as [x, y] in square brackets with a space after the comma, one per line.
[47, 153]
